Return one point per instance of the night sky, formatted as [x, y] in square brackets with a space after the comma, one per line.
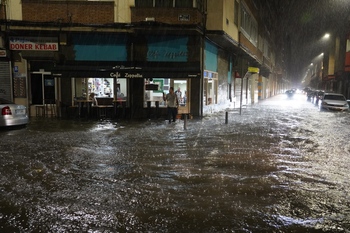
[306, 22]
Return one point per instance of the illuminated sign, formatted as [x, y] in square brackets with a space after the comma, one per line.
[125, 75]
[253, 69]
[34, 43]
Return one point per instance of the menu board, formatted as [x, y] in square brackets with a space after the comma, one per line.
[19, 87]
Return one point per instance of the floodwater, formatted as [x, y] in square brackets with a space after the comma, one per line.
[280, 166]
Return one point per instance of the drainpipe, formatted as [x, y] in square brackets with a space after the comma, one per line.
[204, 17]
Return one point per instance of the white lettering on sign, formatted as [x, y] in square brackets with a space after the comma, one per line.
[115, 75]
[127, 75]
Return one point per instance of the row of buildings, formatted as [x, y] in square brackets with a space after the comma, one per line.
[329, 70]
[218, 53]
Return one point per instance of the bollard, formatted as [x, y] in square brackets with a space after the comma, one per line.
[185, 121]
[149, 109]
[157, 109]
[226, 117]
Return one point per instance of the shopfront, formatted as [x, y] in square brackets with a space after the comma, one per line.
[108, 67]
[135, 88]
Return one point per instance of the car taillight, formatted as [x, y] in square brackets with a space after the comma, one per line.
[6, 111]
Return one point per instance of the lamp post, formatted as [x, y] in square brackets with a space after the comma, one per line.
[315, 70]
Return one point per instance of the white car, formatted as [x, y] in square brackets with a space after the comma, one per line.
[12, 114]
[333, 101]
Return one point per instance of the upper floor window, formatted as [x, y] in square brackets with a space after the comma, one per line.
[267, 49]
[144, 3]
[164, 3]
[168, 3]
[236, 10]
[249, 26]
[183, 3]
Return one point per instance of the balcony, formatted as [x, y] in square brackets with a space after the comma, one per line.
[185, 16]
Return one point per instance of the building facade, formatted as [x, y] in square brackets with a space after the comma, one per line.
[131, 52]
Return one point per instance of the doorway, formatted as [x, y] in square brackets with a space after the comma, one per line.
[43, 87]
[181, 88]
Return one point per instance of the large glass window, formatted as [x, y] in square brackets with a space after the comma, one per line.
[154, 89]
[101, 87]
[249, 26]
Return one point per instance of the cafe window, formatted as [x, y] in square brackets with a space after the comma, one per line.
[101, 87]
[210, 87]
[154, 89]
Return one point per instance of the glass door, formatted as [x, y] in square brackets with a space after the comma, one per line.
[43, 87]
[181, 88]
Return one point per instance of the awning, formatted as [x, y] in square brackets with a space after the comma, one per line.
[120, 71]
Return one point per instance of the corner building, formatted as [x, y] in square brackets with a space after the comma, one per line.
[128, 53]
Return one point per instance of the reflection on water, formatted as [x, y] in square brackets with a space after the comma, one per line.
[272, 169]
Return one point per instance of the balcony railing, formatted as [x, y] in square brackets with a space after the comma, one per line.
[167, 15]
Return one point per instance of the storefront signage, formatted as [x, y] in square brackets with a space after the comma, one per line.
[155, 55]
[253, 69]
[125, 75]
[167, 48]
[34, 43]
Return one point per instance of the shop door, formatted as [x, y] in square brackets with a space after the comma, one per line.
[183, 86]
[43, 88]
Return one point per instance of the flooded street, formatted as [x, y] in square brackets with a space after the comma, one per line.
[280, 166]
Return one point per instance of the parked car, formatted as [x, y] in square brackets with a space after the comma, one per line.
[310, 95]
[12, 114]
[317, 96]
[333, 101]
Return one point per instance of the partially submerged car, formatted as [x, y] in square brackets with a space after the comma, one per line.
[290, 93]
[12, 114]
[333, 101]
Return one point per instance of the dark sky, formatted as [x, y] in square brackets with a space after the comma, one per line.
[305, 23]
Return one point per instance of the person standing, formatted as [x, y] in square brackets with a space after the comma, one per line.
[178, 93]
[172, 103]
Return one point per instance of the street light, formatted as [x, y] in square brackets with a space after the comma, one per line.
[326, 36]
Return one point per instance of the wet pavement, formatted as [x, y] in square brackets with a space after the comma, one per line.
[280, 166]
